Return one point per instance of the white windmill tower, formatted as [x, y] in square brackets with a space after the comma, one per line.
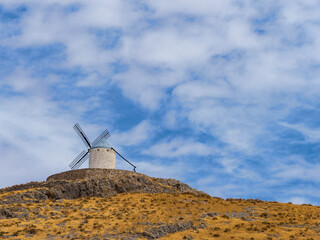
[100, 153]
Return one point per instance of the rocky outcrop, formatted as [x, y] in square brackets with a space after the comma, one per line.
[155, 231]
[161, 231]
[92, 183]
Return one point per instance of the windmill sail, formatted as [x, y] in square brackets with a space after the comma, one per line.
[82, 135]
[99, 142]
[80, 156]
[80, 161]
[104, 135]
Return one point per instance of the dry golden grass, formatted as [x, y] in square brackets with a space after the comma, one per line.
[135, 214]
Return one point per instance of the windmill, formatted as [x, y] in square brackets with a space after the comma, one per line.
[100, 153]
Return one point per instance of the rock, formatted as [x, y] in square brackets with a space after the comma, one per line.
[14, 212]
[161, 231]
[93, 183]
[210, 214]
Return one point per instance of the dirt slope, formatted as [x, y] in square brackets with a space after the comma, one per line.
[116, 204]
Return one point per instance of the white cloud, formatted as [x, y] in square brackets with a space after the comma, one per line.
[167, 47]
[147, 86]
[36, 139]
[172, 119]
[104, 14]
[229, 69]
[156, 169]
[203, 7]
[197, 91]
[139, 87]
[230, 165]
[238, 126]
[92, 80]
[311, 134]
[21, 81]
[299, 200]
[179, 147]
[298, 171]
[219, 28]
[49, 23]
[134, 136]
[226, 190]
[307, 192]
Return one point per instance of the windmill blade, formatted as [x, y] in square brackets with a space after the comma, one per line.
[82, 135]
[81, 155]
[105, 135]
[80, 161]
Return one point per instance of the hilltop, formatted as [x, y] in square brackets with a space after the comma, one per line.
[119, 204]
[91, 183]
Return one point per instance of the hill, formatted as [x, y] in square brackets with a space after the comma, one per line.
[118, 204]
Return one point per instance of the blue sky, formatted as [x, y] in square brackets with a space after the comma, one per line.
[222, 95]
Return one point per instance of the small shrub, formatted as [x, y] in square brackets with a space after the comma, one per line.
[264, 215]
[32, 231]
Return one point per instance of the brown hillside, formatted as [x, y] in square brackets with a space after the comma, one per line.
[117, 204]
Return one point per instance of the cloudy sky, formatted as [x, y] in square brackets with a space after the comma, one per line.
[222, 95]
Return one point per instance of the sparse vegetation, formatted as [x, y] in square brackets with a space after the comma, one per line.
[156, 215]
